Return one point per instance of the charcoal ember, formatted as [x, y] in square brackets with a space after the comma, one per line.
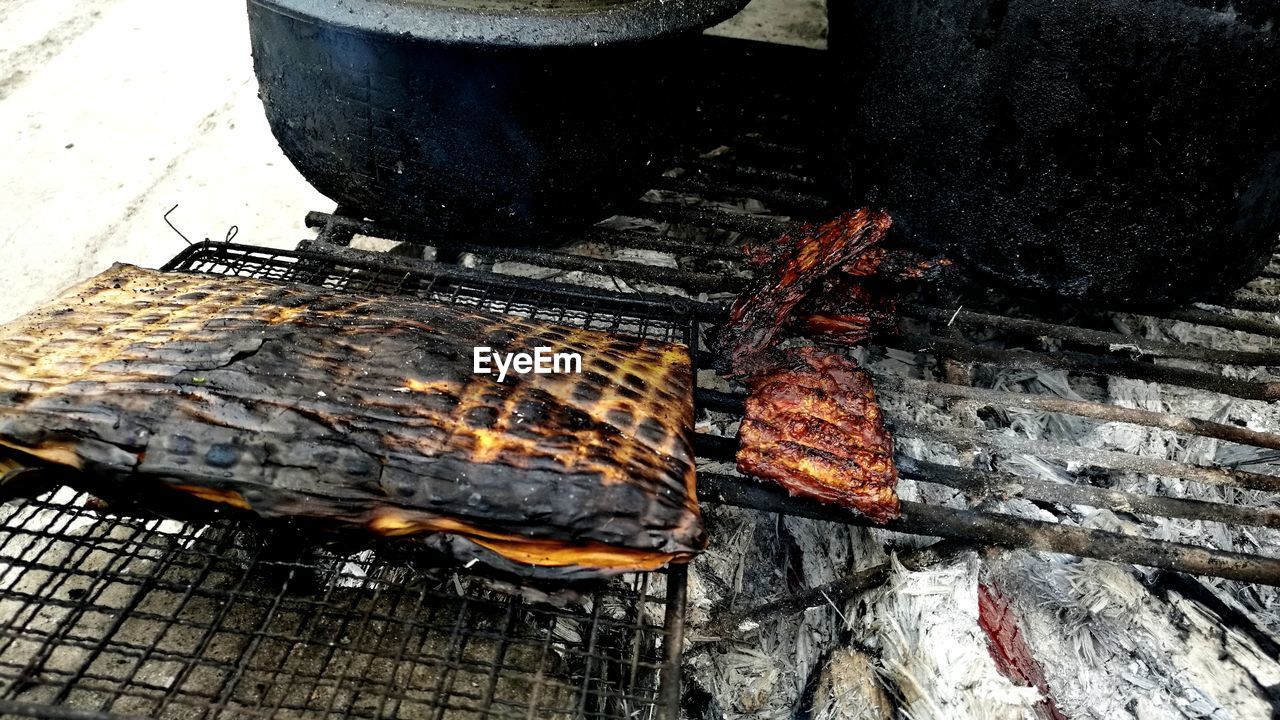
[786, 273]
[360, 415]
[1121, 151]
[813, 426]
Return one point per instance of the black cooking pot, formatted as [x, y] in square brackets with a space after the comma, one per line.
[511, 119]
[1110, 150]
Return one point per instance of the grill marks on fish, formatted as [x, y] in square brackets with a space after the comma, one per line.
[814, 427]
[292, 401]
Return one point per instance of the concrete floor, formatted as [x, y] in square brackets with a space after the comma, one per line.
[117, 110]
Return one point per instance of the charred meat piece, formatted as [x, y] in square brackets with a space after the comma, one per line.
[860, 301]
[895, 265]
[786, 273]
[813, 426]
[361, 413]
[846, 312]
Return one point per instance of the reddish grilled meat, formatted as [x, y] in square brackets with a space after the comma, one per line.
[786, 272]
[846, 312]
[895, 264]
[813, 426]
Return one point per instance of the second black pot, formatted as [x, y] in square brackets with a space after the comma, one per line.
[1107, 150]
[508, 120]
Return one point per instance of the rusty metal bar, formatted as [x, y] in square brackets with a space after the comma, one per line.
[776, 198]
[1253, 302]
[1107, 341]
[673, 626]
[640, 240]
[1090, 364]
[717, 166]
[1107, 459]
[1005, 531]
[1082, 408]
[688, 279]
[733, 625]
[759, 226]
[1199, 316]
[978, 484]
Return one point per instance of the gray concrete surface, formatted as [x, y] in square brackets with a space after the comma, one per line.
[113, 111]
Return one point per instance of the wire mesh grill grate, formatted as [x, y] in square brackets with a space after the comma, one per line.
[128, 616]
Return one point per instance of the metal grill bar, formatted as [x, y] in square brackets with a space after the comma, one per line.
[999, 485]
[1208, 318]
[1098, 365]
[1109, 342]
[1081, 408]
[1002, 530]
[692, 280]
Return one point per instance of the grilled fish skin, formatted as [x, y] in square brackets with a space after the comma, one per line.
[362, 412]
[813, 426]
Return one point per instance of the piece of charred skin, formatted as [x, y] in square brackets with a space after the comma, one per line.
[813, 426]
[362, 413]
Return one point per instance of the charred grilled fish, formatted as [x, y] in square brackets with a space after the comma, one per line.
[362, 412]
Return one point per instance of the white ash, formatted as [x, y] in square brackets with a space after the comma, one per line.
[1111, 649]
[931, 651]
[1262, 602]
[758, 557]
[849, 688]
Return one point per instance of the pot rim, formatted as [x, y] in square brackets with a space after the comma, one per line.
[620, 21]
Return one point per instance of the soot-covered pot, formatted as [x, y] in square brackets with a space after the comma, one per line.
[507, 119]
[1107, 150]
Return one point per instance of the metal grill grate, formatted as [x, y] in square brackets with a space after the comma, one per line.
[104, 615]
[762, 174]
[954, 344]
[128, 617]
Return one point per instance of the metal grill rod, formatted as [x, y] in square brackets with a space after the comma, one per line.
[1087, 364]
[1200, 316]
[1112, 342]
[1081, 408]
[689, 279]
[1007, 531]
[1109, 459]
[980, 485]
